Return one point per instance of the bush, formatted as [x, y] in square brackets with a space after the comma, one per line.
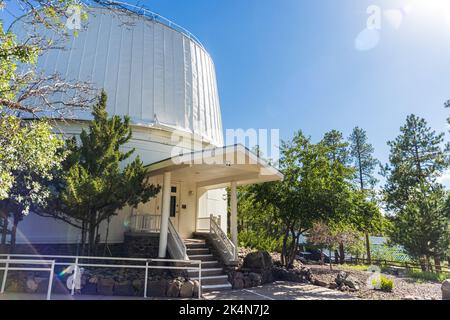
[428, 276]
[387, 285]
[259, 241]
[384, 284]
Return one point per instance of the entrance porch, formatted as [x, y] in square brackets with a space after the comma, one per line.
[193, 199]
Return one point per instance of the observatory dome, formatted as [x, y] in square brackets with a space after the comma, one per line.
[153, 72]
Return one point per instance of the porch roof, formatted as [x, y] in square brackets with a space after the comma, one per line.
[217, 167]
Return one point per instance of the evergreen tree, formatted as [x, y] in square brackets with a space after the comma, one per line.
[340, 173]
[95, 186]
[412, 194]
[416, 157]
[361, 155]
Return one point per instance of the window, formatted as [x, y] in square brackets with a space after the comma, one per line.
[173, 206]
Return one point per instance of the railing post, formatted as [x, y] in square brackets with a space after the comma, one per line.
[146, 279]
[50, 281]
[199, 280]
[75, 274]
[5, 274]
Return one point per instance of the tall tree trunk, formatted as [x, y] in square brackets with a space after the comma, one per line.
[423, 264]
[284, 248]
[369, 255]
[336, 256]
[437, 263]
[341, 253]
[91, 233]
[331, 264]
[14, 232]
[4, 217]
[106, 238]
[83, 237]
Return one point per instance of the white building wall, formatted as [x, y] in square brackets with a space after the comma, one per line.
[159, 78]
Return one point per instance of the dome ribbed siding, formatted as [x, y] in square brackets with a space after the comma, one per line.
[151, 72]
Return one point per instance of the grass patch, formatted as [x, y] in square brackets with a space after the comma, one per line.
[358, 268]
[428, 276]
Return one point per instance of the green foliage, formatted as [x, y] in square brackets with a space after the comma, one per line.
[259, 226]
[33, 156]
[416, 158]
[96, 186]
[422, 226]
[361, 153]
[384, 284]
[420, 221]
[259, 241]
[428, 276]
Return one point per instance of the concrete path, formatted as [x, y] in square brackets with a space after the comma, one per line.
[281, 291]
[275, 291]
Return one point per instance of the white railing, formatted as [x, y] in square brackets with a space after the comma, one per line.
[203, 224]
[8, 262]
[221, 240]
[154, 16]
[145, 223]
[77, 262]
[175, 244]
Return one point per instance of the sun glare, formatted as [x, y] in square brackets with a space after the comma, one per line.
[432, 8]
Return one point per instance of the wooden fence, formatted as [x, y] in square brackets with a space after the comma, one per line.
[387, 263]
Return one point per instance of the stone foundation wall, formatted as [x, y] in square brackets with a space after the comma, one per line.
[141, 245]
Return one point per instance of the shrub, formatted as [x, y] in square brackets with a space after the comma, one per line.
[259, 241]
[428, 276]
[384, 284]
[387, 285]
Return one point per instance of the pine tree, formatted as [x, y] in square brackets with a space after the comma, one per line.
[95, 186]
[361, 154]
[411, 192]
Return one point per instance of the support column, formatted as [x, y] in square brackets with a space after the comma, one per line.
[233, 222]
[165, 215]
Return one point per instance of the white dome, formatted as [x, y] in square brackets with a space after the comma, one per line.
[150, 71]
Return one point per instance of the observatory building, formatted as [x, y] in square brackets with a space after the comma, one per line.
[162, 77]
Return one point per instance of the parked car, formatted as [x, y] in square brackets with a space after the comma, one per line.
[313, 255]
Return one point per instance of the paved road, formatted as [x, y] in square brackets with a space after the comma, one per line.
[275, 291]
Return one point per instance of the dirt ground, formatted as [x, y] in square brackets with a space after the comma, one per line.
[404, 288]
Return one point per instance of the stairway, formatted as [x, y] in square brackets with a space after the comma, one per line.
[213, 276]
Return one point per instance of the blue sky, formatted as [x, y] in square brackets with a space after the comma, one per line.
[292, 64]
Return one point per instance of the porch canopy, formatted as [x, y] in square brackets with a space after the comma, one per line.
[215, 168]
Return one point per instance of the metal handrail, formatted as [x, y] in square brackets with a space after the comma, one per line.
[224, 243]
[155, 16]
[8, 261]
[194, 265]
[175, 244]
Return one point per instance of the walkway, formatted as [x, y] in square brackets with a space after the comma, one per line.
[275, 291]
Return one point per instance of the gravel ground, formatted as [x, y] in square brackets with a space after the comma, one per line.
[404, 288]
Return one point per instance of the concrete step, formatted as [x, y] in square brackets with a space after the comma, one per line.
[197, 251]
[217, 287]
[195, 245]
[202, 257]
[207, 272]
[210, 264]
[213, 280]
